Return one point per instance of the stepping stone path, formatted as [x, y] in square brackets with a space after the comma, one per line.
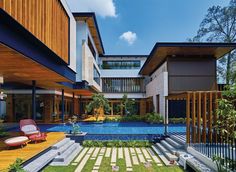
[108, 153]
[82, 163]
[154, 157]
[146, 155]
[120, 153]
[81, 155]
[132, 156]
[140, 155]
[95, 153]
[128, 160]
[90, 151]
[113, 156]
[99, 159]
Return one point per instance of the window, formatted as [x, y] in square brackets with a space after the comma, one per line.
[96, 75]
[124, 64]
[128, 85]
[90, 45]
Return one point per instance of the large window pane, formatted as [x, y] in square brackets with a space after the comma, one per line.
[128, 85]
[125, 64]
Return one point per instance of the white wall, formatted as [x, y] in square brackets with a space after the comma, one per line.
[72, 64]
[85, 62]
[158, 85]
[122, 73]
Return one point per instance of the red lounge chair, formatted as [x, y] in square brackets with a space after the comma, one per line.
[38, 137]
[29, 127]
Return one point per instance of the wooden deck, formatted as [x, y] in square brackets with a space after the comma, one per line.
[8, 156]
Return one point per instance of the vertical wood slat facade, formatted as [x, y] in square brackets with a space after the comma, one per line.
[204, 106]
[45, 19]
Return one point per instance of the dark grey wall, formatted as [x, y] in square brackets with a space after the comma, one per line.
[191, 74]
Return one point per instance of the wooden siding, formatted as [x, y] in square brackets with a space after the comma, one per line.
[45, 19]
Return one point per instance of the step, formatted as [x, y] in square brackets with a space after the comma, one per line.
[168, 155]
[174, 143]
[66, 156]
[169, 147]
[66, 146]
[178, 140]
[61, 143]
[198, 165]
[38, 163]
[161, 155]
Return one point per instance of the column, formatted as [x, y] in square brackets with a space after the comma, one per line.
[33, 100]
[62, 105]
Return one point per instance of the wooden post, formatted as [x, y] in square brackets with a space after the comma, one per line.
[210, 118]
[193, 118]
[199, 113]
[204, 123]
[215, 115]
[188, 118]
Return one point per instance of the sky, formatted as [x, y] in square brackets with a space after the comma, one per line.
[134, 26]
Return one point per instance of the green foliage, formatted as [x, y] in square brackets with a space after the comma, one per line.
[177, 120]
[219, 25]
[128, 105]
[16, 166]
[98, 102]
[129, 118]
[116, 143]
[3, 133]
[75, 129]
[226, 113]
[153, 118]
[219, 163]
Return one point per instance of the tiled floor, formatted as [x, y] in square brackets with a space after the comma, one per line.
[132, 156]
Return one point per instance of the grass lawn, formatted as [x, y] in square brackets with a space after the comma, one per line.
[105, 167]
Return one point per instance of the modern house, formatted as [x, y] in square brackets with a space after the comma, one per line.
[53, 60]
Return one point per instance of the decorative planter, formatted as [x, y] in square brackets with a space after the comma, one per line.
[78, 138]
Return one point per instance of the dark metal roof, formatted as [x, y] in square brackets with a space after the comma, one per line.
[178, 47]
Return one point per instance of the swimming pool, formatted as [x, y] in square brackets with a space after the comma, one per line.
[120, 128]
[116, 130]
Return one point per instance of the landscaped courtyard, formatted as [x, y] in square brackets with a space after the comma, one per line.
[106, 159]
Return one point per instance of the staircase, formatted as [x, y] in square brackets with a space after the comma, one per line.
[62, 153]
[169, 149]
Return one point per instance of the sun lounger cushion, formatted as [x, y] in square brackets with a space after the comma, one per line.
[29, 129]
[16, 141]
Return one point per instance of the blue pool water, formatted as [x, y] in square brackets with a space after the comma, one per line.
[116, 130]
[120, 128]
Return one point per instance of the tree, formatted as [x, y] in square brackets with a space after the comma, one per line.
[98, 103]
[128, 105]
[219, 25]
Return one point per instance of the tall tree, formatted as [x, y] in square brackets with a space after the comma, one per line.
[219, 25]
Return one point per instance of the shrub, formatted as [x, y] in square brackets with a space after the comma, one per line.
[16, 166]
[177, 120]
[153, 118]
[117, 143]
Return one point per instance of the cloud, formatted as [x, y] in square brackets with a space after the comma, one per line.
[103, 8]
[129, 37]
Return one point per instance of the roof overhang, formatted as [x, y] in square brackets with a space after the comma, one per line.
[91, 20]
[163, 50]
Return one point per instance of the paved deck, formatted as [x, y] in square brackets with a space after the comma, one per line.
[8, 156]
